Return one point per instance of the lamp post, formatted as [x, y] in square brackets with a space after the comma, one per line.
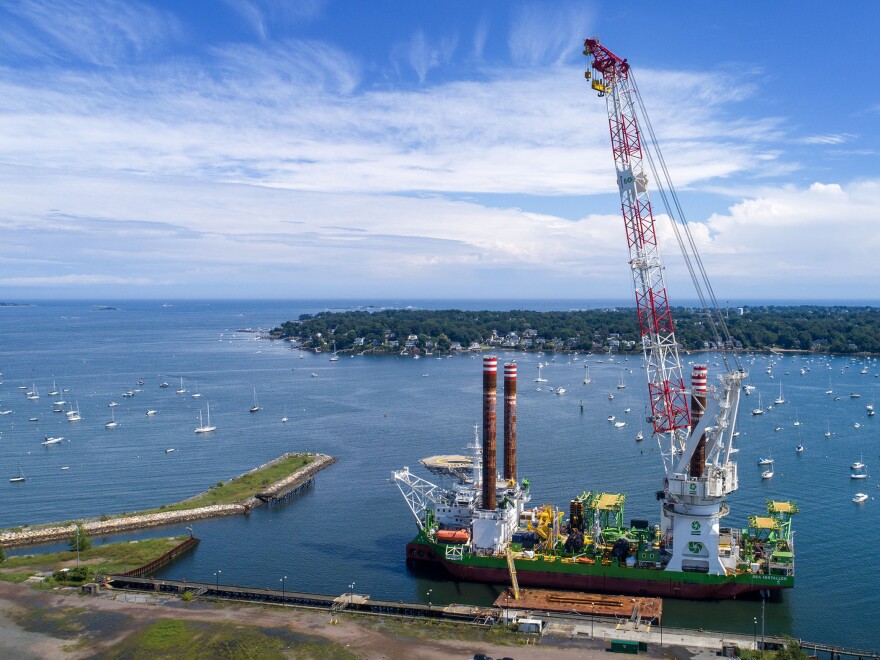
[351, 592]
[189, 527]
[755, 637]
[217, 580]
[282, 586]
[429, 600]
[763, 601]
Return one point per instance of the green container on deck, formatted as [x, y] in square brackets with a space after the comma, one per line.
[624, 646]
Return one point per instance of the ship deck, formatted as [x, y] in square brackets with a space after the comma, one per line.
[649, 609]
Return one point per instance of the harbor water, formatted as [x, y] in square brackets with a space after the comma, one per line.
[379, 413]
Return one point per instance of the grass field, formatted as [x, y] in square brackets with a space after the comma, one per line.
[173, 638]
[108, 558]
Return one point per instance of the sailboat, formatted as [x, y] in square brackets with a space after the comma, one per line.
[54, 391]
[52, 440]
[766, 461]
[759, 410]
[767, 474]
[780, 399]
[33, 395]
[335, 356]
[858, 465]
[255, 408]
[284, 419]
[640, 436]
[621, 384]
[539, 379]
[19, 478]
[587, 379]
[182, 390]
[205, 428]
[112, 424]
[73, 414]
[828, 432]
[196, 394]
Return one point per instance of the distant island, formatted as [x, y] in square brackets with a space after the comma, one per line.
[819, 329]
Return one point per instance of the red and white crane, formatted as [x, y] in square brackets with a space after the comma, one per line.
[696, 452]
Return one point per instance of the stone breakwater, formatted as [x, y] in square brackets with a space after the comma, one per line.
[55, 532]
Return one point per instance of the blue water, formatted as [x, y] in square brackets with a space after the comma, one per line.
[376, 414]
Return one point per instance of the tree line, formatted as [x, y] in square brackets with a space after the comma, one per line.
[834, 329]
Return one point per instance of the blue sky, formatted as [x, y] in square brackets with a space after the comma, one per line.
[232, 148]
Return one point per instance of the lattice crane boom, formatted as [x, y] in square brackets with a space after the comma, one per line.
[666, 390]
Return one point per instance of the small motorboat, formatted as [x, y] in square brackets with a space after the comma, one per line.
[799, 449]
[767, 474]
[860, 497]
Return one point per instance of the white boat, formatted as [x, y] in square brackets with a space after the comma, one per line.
[163, 384]
[6, 412]
[313, 375]
[857, 425]
[619, 425]
[33, 395]
[858, 475]
[128, 395]
[335, 356]
[73, 414]
[855, 395]
[256, 407]
[587, 379]
[777, 429]
[621, 385]
[169, 450]
[561, 390]
[112, 404]
[65, 467]
[19, 478]
[759, 410]
[640, 436]
[112, 424]
[196, 394]
[206, 428]
[610, 396]
[860, 497]
[828, 432]
[539, 379]
[150, 413]
[611, 418]
[182, 390]
[767, 474]
[748, 389]
[52, 441]
[780, 399]
[54, 391]
[765, 461]
[858, 465]
[799, 449]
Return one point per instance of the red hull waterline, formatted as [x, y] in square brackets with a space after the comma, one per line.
[590, 583]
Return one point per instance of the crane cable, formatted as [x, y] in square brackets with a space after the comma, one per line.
[679, 222]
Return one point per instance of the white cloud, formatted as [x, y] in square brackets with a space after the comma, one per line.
[547, 33]
[830, 138]
[103, 33]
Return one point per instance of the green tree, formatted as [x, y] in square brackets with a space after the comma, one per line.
[792, 651]
[80, 540]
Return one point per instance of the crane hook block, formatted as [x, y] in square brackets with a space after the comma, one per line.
[587, 75]
[599, 87]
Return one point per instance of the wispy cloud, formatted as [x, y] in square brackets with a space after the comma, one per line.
[103, 32]
[828, 138]
[547, 32]
[265, 15]
[422, 54]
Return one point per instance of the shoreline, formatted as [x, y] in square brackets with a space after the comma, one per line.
[48, 532]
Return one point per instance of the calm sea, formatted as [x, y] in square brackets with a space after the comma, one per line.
[377, 414]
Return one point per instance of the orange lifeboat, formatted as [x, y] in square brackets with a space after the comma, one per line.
[453, 536]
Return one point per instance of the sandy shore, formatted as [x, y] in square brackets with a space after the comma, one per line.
[353, 632]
